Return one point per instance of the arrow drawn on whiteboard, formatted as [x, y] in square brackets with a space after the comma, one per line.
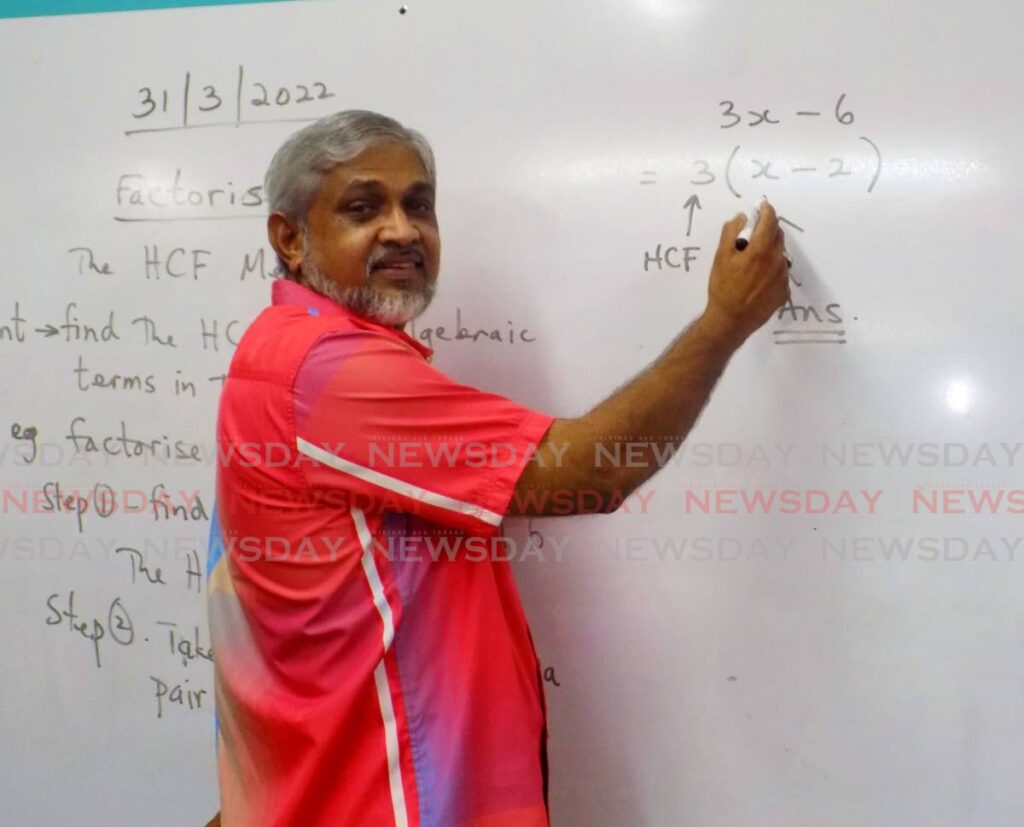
[784, 220]
[692, 203]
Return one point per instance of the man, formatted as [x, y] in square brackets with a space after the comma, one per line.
[361, 678]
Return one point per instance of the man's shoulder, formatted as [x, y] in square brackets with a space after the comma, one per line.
[278, 340]
[286, 340]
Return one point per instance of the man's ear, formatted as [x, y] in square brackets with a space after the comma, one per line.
[286, 239]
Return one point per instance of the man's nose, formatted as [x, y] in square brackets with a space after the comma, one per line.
[398, 229]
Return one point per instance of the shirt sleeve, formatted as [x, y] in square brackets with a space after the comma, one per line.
[377, 424]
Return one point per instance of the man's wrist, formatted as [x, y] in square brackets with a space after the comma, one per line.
[722, 326]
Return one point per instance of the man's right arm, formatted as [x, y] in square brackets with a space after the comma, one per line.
[653, 413]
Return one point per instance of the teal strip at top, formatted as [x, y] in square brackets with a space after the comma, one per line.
[41, 8]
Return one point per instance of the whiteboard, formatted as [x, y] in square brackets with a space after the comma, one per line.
[812, 615]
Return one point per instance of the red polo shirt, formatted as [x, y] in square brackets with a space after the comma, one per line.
[373, 663]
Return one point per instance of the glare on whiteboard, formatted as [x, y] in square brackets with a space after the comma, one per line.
[959, 396]
[664, 8]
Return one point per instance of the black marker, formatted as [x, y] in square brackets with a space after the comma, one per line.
[743, 239]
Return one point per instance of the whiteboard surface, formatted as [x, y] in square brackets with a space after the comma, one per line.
[724, 668]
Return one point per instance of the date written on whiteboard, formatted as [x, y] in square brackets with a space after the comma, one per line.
[232, 99]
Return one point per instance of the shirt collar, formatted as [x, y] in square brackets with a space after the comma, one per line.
[288, 292]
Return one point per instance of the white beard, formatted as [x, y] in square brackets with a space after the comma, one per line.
[393, 309]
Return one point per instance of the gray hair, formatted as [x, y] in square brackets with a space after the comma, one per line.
[299, 166]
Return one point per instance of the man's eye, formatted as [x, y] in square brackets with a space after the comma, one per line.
[423, 206]
[360, 209]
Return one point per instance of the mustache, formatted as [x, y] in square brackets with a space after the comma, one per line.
[395, 255]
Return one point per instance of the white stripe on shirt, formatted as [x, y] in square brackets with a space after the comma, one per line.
[406, 489]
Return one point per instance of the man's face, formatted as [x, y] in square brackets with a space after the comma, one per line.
[372, 227]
